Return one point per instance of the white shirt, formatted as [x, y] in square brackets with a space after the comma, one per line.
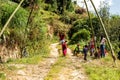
[103, 41]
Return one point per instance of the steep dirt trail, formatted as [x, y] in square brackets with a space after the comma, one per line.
[35, 72]
[71, 71]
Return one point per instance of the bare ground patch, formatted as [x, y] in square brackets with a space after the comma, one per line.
[71, 71]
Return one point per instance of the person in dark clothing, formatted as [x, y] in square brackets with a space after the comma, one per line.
[97, 54]
[102, 46]
[85, 51]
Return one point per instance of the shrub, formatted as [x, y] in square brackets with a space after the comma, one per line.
[2, 76]
[65, 19]
[15, 33]
[80, 35]
[37, 38]
[19, 19]
[78, 25]
[80, 11]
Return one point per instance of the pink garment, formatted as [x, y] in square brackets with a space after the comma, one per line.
[64, 48]
[92, 44]
[103, 41]
[65, 52]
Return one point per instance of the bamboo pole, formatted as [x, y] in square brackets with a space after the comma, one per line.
[108, 40]
[93, 34]
[89, 17]
[8, 21]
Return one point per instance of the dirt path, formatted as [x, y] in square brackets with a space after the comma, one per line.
[72, 70]
[35, 72]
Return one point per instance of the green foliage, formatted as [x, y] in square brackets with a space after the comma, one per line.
[30, 60]
[111, 24]
[114, 31]
[15, 33]
[116, 45]
[78, 25]
[70, 17]
[52, 6]
[111, 74]
[37, 39]
[56, 68]
[20, 18]
[66, 19]
[58, 26]
[69, 6]
[32, 37]
[59, 6]
[102, 72]
[15, 36]
[82, 34]
[2, 76]
[114, 28]
[26, 3]
[96, 28]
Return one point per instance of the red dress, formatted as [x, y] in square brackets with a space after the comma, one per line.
[64, 48]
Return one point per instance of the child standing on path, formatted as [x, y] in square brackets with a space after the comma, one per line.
[97, 53]
[92, 46]
[85, 51]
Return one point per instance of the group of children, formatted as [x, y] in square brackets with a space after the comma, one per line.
[100, 51]
[84, 51]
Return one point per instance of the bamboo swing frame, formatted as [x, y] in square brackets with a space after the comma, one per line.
[102, 24]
